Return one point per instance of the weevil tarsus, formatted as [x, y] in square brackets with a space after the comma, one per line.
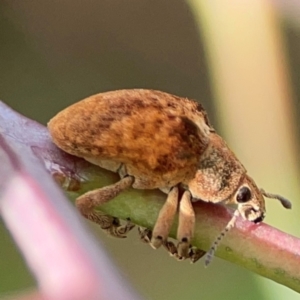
[145, 234]
[195, 254]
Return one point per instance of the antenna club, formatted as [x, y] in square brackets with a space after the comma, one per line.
[284, 202]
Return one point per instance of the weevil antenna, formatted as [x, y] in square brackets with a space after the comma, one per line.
[210, 254]
[285, 202]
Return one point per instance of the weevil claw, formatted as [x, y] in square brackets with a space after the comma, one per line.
[156, 241]
[183, 249]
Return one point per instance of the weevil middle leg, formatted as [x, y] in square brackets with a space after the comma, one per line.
[165, 220]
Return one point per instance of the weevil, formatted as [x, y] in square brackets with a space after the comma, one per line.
[155, 140]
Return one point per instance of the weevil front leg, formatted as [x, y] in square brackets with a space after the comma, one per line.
[87, 203]
[186, 225]
[185, 228]
[165, 219]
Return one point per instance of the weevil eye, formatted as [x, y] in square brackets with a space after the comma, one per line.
[244, 195]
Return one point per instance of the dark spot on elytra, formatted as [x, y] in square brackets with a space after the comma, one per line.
[121, 108]
[104, 126]
[119, 149]
[171, 104]
[164, 164]
[93, 131]
[135, 135]
[127, 112]
[158, 124]
[100, 149]
[171, 118]
[107, 119]
[139, 103]
[85, 118]
[118, 135]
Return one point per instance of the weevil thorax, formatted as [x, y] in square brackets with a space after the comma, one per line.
[221, 178]
[249, 200]
[219, 173]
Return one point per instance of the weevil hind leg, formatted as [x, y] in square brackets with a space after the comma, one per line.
[87, 203]
[186, 225]
[165, 219]
[113, 226]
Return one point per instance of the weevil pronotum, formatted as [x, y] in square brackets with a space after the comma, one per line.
[157, 140]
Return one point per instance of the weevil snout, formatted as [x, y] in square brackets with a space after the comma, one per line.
[251, 203]
[252, 214]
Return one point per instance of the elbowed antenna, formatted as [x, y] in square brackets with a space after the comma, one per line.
[210, 254]
[285, 202]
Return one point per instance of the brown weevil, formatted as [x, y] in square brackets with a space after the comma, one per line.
[155, 140]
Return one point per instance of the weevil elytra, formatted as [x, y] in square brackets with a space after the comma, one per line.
[157, 140]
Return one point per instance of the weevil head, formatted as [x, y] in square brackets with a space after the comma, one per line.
[250, 201]
[251, 206]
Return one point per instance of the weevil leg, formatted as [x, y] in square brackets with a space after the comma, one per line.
[186, 225]
[145, 234]
[171, 249]
[165, 219]
[195, 254]
[112, 225]
[87, 203]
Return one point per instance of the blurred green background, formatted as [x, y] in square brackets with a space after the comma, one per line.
[54, 53]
